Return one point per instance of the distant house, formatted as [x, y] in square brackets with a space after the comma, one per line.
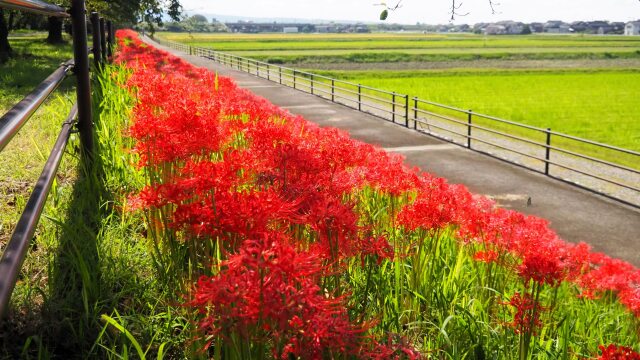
[290, 29]
[618, 27]
[536, 27]
[596, 27]
[611, 28]
[512, 27]
[556, 27]
[495, 29]
[632, 28]
[579, 26]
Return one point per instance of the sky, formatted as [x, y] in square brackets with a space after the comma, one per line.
[423, 11]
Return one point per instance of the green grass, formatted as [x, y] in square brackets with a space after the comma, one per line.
[394, 41]
[427, 55]
[88, 268]
[598, 105]
[369, 48]
[23, 158]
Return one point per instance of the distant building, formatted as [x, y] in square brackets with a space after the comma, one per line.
[536, 27]
[597, 27]
[512, 27]
[556, 27]
[618, 27]
[632, 28]
[462, 28]
[479, 28]
[495, 29]
[290, 29]
[579, 26]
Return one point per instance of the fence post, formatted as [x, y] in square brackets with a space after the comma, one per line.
[81, 70]
[406, 110]
[294, 79]
[280, 74]
[359, 97]
[415, 112]
[333, 90]
[97, 43]
[311, 84]
[103, 40]
[393, 107]
[110, 38]
[547, 152]
[469, 114]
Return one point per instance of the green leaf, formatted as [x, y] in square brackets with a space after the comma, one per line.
[384, 14]
[126, 333]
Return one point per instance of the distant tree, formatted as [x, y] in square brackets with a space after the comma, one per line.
[526, 30]
[175, 26]
[124, 12]
[196, 23]
[198, 18]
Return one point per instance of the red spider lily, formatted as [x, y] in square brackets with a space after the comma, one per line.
[527, 313]
[607, 274]
[542, 269]
[268, 290]
[378, 247]
[488, 256]
[436, 206]
[615, 352]
[395, 348]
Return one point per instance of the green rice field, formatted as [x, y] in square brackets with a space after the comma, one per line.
[586, 86]
[600, 105]
[228, 42]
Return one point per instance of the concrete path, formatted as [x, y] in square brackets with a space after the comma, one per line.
[575, 214]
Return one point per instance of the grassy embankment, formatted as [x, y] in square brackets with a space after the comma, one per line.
[430, 291]
[87, 270]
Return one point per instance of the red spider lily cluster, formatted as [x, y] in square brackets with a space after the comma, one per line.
[278, 196]
[613, 352]
[269, 290]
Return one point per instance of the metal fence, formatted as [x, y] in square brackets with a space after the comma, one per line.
[79, 117]
[604, 169]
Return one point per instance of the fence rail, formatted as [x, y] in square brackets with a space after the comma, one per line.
[80, 117]
[604, 169]
[35, 6]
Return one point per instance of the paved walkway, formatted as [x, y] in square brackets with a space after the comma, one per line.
[575, 214]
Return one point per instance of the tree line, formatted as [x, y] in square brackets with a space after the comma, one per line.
[122, 12]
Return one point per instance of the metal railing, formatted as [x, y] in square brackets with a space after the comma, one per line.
[11, 122]
[581, 162]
